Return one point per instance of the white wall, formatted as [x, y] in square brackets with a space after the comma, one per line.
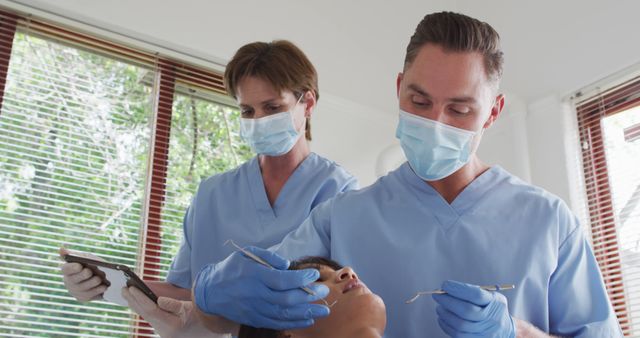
[539, 143]
[352, 135]
[506, 142]
[548, 128]
[555, 47]
[552, 48]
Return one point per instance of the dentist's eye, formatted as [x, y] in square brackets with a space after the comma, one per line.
[460, 110]
[420, 102]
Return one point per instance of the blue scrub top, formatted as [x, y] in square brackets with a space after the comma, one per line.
[234, 205]
[401, 236]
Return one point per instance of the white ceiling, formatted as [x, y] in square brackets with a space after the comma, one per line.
[551, 47]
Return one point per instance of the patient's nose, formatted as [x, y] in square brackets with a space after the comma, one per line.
[346, 274]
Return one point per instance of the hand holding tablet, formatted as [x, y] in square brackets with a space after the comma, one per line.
[100, 274]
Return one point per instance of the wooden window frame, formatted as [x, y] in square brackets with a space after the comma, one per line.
[601, 210]
[168, 73]
[8, 25]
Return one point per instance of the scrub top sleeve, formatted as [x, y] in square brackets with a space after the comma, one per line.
[352, 184]
[311, 238]
[180, 270]
[578, 301]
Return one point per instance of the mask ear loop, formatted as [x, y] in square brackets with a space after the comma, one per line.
[263, 262]
[301, 130]
[307, 123]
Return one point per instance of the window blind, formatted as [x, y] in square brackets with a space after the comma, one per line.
[609, 124]
[101, 146]
[74, 145]
[205, 140]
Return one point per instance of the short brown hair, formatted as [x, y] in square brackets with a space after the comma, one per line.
[280, 63]
[458, 33]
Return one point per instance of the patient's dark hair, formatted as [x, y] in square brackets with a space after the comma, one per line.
[303, 263]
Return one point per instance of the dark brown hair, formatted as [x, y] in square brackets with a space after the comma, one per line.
[280, 63]
[458, 33]
[303, 263]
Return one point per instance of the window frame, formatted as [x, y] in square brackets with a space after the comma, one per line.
[170, 73]
[600, 207]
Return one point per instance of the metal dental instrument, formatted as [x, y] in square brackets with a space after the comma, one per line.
[263, 262]
[496, 287]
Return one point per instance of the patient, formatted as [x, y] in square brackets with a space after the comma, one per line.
[357, 312]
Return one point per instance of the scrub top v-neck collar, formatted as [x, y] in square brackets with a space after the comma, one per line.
[265, 211]
[449, 214]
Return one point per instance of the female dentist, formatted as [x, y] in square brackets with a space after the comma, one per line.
[263, 199]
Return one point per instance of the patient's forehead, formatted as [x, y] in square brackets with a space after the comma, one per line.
[318, 266]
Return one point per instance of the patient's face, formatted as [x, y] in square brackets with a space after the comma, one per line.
[356, 306]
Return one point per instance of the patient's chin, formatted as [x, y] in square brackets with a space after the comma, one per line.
[350, 313]
[372, 312]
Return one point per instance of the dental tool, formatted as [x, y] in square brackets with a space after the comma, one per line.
[497, 287]
[263, 262]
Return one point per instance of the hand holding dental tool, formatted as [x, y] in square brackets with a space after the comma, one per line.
[497, 287]
[247, 293]
[261, 261]
[470, 310]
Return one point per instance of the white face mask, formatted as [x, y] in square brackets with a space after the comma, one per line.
[272, 135]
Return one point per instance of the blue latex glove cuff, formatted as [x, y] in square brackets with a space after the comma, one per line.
[200, 290]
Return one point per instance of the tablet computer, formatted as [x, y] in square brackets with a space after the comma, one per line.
[115, 276]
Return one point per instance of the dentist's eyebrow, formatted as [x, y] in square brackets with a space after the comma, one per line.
[417, 89]
[464, 99]
[272, 100]
[422, 92]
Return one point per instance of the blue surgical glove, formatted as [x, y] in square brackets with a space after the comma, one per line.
[469, 311]
[246, 292]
